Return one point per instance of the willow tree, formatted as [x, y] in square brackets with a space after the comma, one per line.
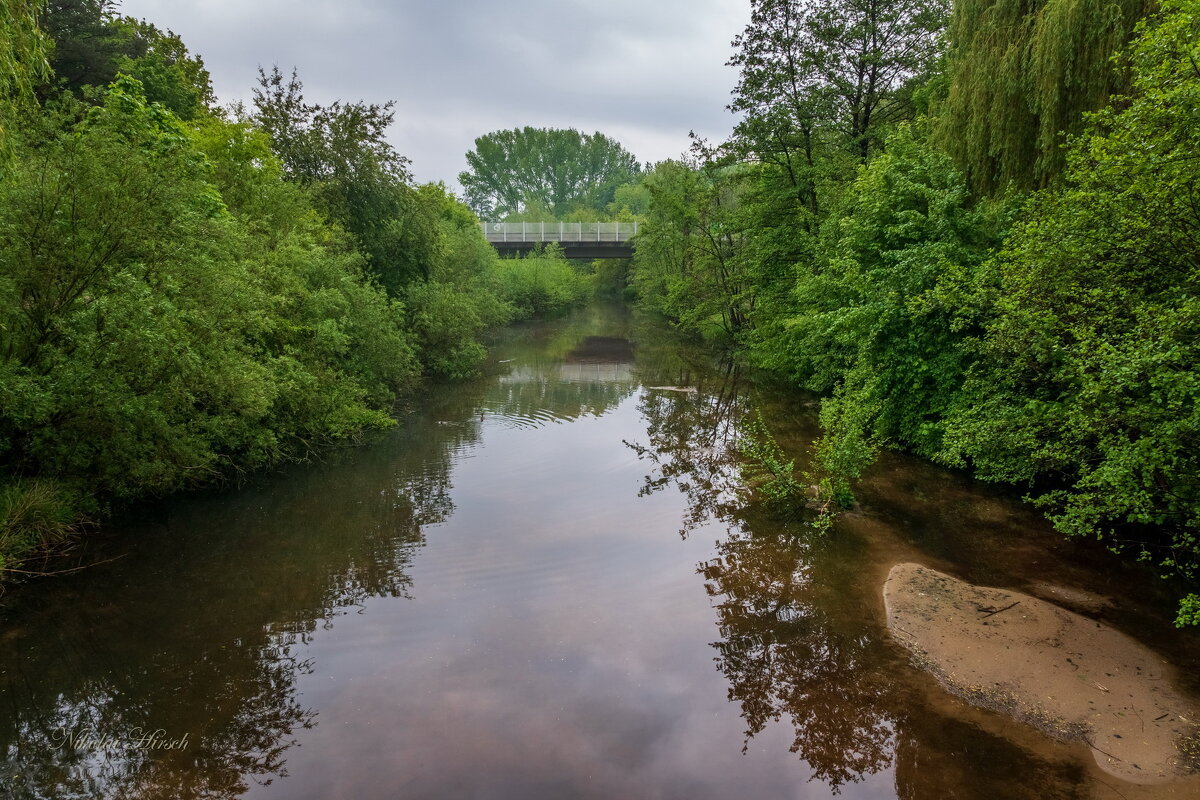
[1022, 73]
[1087, 371]
[22, 60]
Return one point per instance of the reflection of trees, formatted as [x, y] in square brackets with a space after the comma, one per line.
[784, 654]
[690, 434]
[197, 630]
[783, 648]
[800, 642]
[690, 447]
[574, 368]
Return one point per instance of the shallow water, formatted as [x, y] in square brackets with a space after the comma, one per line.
[548, 582]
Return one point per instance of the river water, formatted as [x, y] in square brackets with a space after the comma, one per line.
[546, 583]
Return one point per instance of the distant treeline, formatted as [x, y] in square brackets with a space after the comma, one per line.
[188, 292]
[974, 227]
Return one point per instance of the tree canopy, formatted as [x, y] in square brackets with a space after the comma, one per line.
[23, 63]
[187, 294]
[555, 169]
[92, 43]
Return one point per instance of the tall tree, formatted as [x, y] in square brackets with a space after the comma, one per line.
[825, 67]
[84, 48]
[1021, 74]
[821, 82]
[359, 180]
[1089, 371]
[560, 170]
[92, 44]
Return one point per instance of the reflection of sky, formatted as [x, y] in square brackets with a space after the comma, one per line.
[557, 645]
[572, 373]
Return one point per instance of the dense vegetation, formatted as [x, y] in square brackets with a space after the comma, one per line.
[546, 174]
[187, 293]
[974, 231]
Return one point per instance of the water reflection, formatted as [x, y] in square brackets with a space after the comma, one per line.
[180, 636]
[779, 651]
[800, 639]
[198, 629]
[490, 602]
[570, 374]
[784, 656]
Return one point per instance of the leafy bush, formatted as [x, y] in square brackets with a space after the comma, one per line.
[1088, 381]
[158, 337]
[541, 283]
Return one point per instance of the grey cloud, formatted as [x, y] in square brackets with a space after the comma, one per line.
[646, 72]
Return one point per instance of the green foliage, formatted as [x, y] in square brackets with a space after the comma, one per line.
[446, 322]
[1089, 365]
[631, 202]
[34, 516]
[169, 74]
[541, 283]
[84, 51]
[546, 170]
[815, 68]
[22, 63]
[156, 337]
[877, 315]
[686, 261]
[1022, 73]
[1189, 611]
[851, 438]
[765, 467]
[357, 179]
[184, 297]
[92, 45]
[1049, 341]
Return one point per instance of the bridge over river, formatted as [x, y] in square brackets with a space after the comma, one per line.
[578, 239]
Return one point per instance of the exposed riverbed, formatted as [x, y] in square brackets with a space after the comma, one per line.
[546, 583]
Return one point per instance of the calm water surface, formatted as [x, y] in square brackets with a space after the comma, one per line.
[547, 583]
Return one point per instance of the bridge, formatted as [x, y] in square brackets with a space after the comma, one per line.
[577, 239]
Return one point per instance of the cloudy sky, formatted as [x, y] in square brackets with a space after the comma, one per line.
[643, 71]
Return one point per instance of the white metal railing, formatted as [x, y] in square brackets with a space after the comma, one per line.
[559, 231]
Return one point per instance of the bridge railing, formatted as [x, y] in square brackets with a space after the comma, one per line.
[559, 231]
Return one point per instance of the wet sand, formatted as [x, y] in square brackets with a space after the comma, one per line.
[1073, 677]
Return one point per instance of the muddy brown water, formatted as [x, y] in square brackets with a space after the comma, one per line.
[546, 583]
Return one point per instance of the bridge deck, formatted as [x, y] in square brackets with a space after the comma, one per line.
[584, 240]
[516, 232]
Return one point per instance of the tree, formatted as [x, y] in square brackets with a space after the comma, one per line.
[92, 44]
[22, 60]
[84, 48]
[560, 170]
[687, 262]
[1088, 376]
[168, 72]
[1021, 74]
[821, 82]
[155, 336]
[358, 179]
[811, 69]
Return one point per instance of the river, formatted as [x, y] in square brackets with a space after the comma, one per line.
[545, 583]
